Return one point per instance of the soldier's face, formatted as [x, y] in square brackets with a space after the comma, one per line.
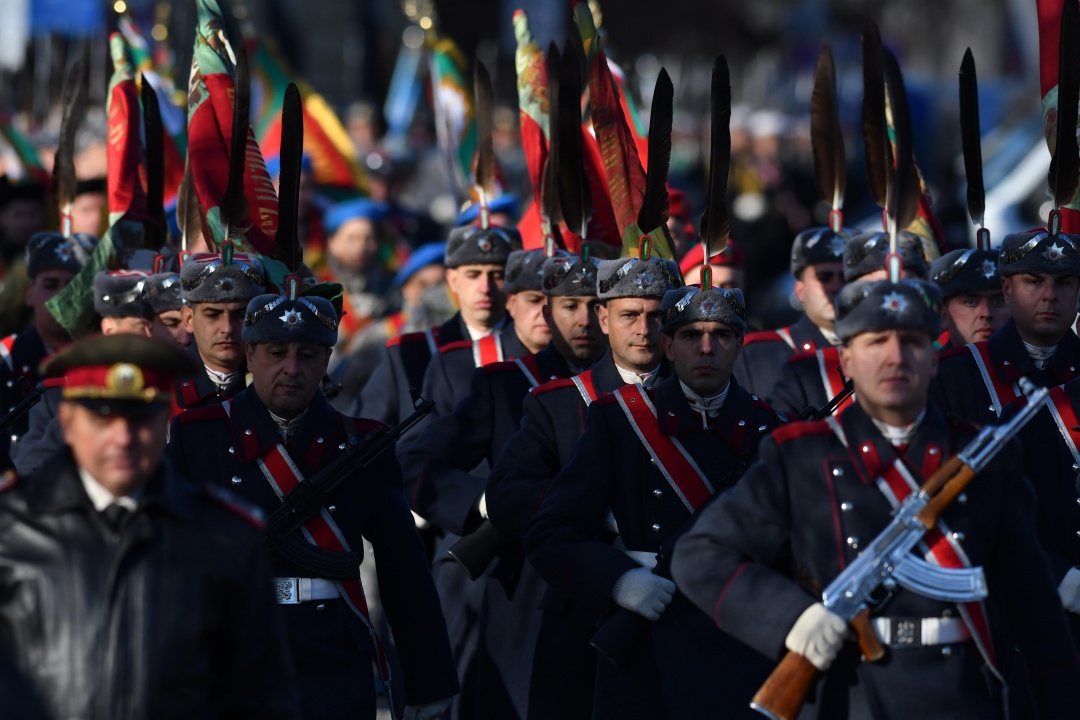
[817, 289]
[355, 245]
[1043, 306]
[702, 354]
[527, 309]
[633, 329]
[479, 290]
[575, 328]
[169, 328]
[125, 326]
[46, 284]
[286, 376]
[216, 328]
[891, 370]
[120, 451]
[974, 316]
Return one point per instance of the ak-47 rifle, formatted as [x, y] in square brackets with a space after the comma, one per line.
[310, 496]
[888, 561]
[813, 414]
[31, 397]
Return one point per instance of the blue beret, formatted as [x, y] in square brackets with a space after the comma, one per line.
[507, 203]
[427, 254]
[338, 215]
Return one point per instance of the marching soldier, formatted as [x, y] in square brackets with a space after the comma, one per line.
[1040, 279]
[163, 294]
[974, 306]
[475, 263]
[125, 590]
[812, 379]
[450, 458]
[264, 441]
[821, 490]
[650, 458]
[552, 419]
[216, 288]
[819, 274]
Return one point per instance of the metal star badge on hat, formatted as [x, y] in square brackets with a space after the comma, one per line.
[894, 302]
[989, 269]
[291, 318]
[1054, 253]
[836, 245]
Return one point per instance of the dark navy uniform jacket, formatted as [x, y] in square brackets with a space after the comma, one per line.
[21, 360]
[800, 385]
[331, 647]
[811, 501]
[959, 387]
[43, 437]
[682, 668]
[764, 353]
[1054, 471]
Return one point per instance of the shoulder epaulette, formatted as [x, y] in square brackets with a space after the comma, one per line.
[406, 338]
[367, 425]
[760, 404]
[206, 412]
[236, 506]
[552, 385]
[784, 433]
[802, 355]
[456, 345]
[762, 336]
[504, 366]
[959, 350]
[8, 480]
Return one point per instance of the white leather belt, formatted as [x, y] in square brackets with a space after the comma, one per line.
[292, 591]
[900, 632]
[645, 559]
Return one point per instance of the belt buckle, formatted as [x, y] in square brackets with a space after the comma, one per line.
[287, 591]
[907, 632]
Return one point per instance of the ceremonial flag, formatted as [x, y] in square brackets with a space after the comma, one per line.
[326, 142]
[25, 150]
[126, 170]
[210, 123]
[455, 114]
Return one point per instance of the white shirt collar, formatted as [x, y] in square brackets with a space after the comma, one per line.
[102, 498]
[219, 378]
[899, 435]
[633, 378]
[708, 407]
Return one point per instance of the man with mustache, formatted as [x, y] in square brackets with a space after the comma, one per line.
[216, 288]
[971, 288]
[552, 419]
[820, 491]
[648, 459]
[262, 443]
[814, 378]
[1040, 279]
[448, 464]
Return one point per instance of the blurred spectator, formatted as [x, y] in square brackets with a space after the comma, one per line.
[727, 266]
[90, 211]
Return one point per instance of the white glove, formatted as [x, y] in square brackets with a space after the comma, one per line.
[817, 635]
[430, 711]
[640, 591]
[482, 507]
[1069, 590]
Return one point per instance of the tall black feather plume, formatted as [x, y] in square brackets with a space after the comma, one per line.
[874, 127]
[654, 206]
[188, 213]
[573, 186]
[1064, 178]
[234, 206]
[826, 135]
[287, 241]
[971, 140]
[549, 182]
[715, 227]
[155, 232]
[485, 148]
[73, 103]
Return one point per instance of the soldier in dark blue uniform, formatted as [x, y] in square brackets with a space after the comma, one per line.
[971, 290]
[264, 441]
[1040, 278]
[448, 466]
[216, 288]
[552, 419]
[163, 294]
[125, 589]
[475, 264]
[649, 458]
[120, 301]
[821, 490]
[819, 275]
[813, 378]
